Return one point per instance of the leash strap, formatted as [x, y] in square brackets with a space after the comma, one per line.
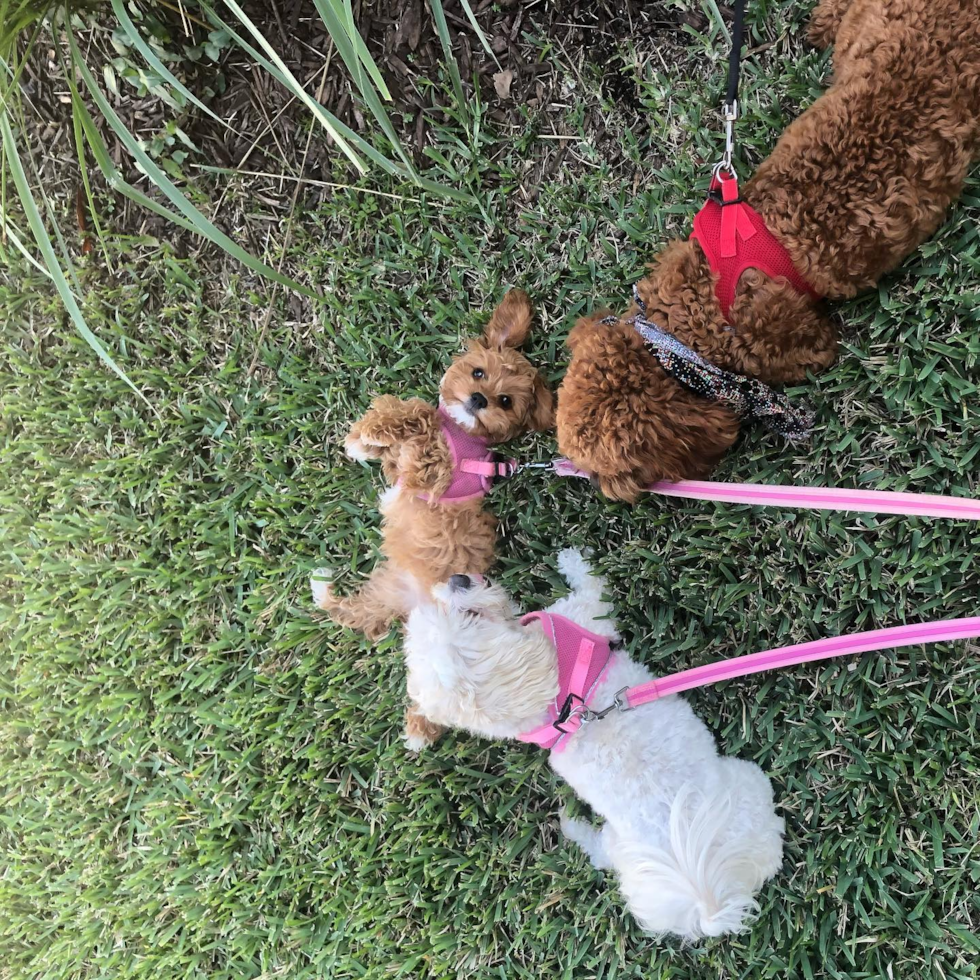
[735, 54]
[800, 653]
[497, 468]
[729, 111]
[810, 498]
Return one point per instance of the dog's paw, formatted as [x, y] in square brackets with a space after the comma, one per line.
[574, 566]
[357, 449]
[420, 733]
[570, 826]
[320, 586]
[415, 742]
[589, 838]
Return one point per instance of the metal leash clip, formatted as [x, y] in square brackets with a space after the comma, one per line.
[729, 112]
[618, 702]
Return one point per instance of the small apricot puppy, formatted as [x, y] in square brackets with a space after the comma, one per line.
[854, 185]
[439, 466]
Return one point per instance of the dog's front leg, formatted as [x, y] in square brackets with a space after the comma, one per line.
[420, 733]
[389, 422]
[586, 605]
[590, 839]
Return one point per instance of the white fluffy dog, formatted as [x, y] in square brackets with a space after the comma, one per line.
[691, 835]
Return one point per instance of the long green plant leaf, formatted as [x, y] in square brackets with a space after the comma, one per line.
[12, 44]
[471, 17]
[339, 29]
[202, 225]
[442, 29]
[76, 124]
[114, 179]
[363, 55]
[714, 12]
[292, 83]
[376, 157]
[153, 60]
[10, 233]
[46, 248]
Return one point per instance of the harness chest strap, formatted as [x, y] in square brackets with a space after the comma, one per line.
[489, 468]
[583, 662]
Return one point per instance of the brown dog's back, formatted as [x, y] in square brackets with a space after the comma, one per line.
[867, 173]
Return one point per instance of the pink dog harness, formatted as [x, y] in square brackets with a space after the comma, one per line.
[583, 661]
[584, 658]
[475, 465]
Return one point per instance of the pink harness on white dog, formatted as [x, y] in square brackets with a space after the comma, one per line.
[583, 661]
[474, 464]
[584, 658]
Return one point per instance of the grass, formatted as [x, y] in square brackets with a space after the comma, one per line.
[198, 778]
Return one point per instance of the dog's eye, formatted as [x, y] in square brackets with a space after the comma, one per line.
[505, 401]
[477, 372]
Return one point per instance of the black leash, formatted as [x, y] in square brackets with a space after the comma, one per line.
[729, 109]
[735, 55]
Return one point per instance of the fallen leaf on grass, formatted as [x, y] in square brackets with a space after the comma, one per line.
[502, 81]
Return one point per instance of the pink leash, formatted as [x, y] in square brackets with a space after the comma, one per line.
[811, 498]
[799, 653]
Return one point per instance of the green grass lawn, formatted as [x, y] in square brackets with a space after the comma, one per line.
[199, 778]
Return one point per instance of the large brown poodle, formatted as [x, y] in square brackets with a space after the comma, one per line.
[862, 178]
[438, 464]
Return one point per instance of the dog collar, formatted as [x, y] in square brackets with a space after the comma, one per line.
[583, 662]
[734, 237]
[475, 465]
[748, 397]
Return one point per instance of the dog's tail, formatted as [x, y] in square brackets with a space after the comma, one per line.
[371, 610]
[703, 883]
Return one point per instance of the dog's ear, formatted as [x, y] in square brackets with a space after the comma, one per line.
[585, 327]
[541, 411]
[444, 667]
[511, 321]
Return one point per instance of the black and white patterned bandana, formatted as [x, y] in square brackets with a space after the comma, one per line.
[749, 398]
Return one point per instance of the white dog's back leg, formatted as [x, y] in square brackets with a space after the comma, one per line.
[577, 571]
[755, 827]
[589, 838]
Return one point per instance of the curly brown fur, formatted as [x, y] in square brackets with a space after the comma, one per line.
[425, 542]
[854, 185]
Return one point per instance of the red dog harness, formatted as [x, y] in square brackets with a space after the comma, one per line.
[734, 237]
[474, 464]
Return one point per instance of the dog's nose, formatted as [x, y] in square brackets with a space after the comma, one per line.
[459, 583]
[477, 401]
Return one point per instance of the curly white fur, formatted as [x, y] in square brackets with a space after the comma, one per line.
[691, 835]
